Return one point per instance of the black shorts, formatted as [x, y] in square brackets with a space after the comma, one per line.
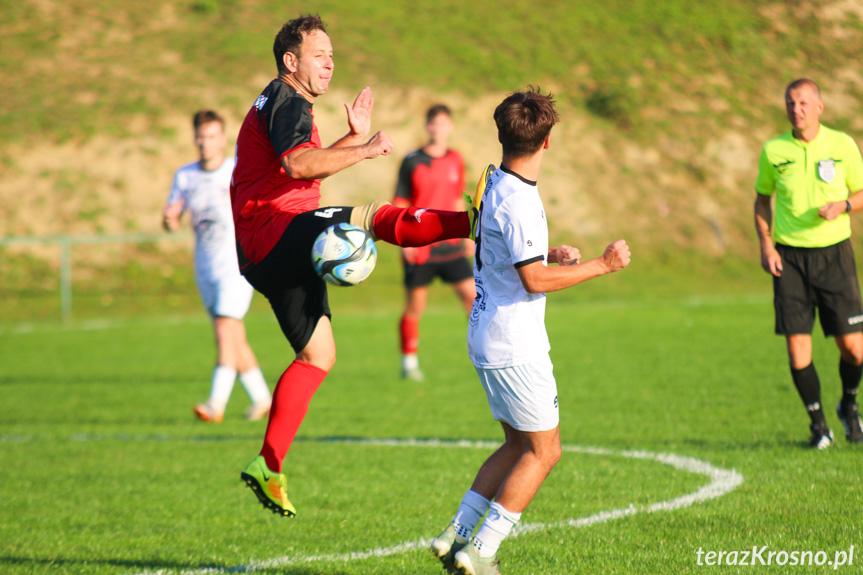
[450, 271]
[825, 278]
[287, 279]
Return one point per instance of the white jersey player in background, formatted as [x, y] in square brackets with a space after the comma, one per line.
[201, 190]
[507, 340]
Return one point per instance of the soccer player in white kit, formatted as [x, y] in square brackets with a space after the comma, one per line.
[507, 340]
[201, 190]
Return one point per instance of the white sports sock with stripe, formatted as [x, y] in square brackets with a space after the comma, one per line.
[494, 529]
[473, 507]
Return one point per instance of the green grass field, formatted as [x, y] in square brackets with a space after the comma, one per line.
[104, 470]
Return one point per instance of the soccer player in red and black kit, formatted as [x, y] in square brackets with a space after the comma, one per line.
[432, 176]
[275, 195]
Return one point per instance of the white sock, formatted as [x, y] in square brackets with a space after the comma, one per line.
[255, 385]
[473, 507]
[223, 384]
[410, 361]
[494, 529]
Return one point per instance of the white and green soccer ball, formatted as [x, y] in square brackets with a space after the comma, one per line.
[344, 255]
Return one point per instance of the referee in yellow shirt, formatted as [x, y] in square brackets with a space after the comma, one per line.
[816, 174]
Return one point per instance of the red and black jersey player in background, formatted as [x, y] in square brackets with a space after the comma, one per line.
[432, 176]
[275, 196]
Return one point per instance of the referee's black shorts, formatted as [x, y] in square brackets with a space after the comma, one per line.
[287, 279]
[822, 278]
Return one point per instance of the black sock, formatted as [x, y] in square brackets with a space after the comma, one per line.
[850, 375]
[809, 387]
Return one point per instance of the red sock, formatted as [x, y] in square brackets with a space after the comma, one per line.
[413, 227]
[410, 332]
[290, 403]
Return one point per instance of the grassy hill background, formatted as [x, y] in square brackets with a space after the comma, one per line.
[665, 106]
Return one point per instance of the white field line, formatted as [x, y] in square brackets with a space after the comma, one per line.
[722, 481]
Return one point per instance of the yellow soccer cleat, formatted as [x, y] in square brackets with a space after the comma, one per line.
[476, 203]
[270, 487]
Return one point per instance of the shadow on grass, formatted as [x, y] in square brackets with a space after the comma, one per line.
[44, 565]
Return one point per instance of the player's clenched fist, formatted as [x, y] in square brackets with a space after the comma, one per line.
[379, 145]
[616, 256]
[567, 256]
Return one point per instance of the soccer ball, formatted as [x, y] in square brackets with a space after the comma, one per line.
[344, 255]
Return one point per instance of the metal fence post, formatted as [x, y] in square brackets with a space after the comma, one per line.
[65, 279]
[66, 241]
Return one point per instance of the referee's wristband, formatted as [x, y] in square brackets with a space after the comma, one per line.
[847, 206]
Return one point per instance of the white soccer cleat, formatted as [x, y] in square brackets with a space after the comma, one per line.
[258, 410]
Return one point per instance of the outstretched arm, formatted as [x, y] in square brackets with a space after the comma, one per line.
[538, 278]
[316, 164]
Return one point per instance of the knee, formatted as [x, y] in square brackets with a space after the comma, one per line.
[851, 348]
[853, 356]
[548, 452]
[322, 360]
[364, 216]
[799, 354]
[552, 455]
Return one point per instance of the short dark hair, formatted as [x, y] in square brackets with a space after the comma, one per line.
[290, 37]
[801, 83]
[524, 120]
[206, 117]
[437, 110]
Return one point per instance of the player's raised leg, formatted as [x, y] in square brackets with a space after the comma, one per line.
[412, 226]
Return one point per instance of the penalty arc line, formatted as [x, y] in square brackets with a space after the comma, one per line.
[722, 481]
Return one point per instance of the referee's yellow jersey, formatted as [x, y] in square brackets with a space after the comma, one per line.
[805, 176]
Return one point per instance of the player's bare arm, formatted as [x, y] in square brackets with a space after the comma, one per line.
[832, 210]
[316, 164]
[171, 216]
[538, 278]
[770, 259]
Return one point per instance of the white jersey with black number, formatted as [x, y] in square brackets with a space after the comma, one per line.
[507, 324]
[206, 199]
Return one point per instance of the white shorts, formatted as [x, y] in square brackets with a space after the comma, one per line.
[229, 296]
[524, 396]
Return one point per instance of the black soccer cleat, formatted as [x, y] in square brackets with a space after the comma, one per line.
[821, 437]
[850, 418]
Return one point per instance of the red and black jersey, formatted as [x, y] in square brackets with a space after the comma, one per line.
[435, 183]
[263, 197]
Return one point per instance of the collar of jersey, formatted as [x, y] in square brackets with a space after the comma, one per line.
[511, 173]
[815, 142]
